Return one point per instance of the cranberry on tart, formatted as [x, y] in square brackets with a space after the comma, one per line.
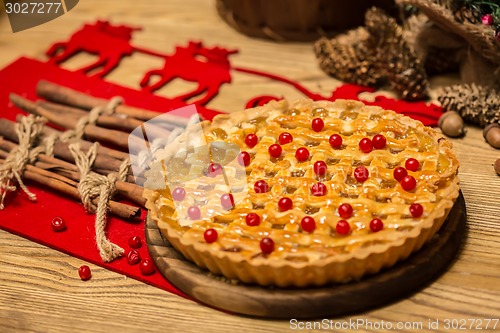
[309, 193]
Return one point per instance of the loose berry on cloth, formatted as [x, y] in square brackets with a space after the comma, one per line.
[135, 242]
[58, 224]
[133, 257]
[147, 267]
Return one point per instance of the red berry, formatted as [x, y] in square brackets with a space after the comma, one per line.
[343, 227]
[58, 224]
[487, 19]
[133, 257]
[210, 235]
[275, 150]
[302, 154]
[366, 145]
[251, 140]
[376, 225]
[285, 204]
[308, 224]
[194, 213]
[416, 210]
[400, 173]
[320, 168]
[285, 138]
[252, 219]
[261, 186]
[379, 141]
[267, 245]
[227, 201]
[345, 211]
[147, 267]
[335, 141]
[178, 194]
[214, 169]
[412, 164]
[135, 242]
[85, 272]
[318, 189]
[361, 173]
[244, 158]
[317, 124]
[408, 183]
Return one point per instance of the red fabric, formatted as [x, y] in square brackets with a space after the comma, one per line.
[33, 220]
[427, 113]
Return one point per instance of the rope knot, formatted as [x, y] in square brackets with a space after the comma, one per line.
[94, 186]
[27, 129]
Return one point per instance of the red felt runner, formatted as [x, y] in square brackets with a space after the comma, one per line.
[33, 220]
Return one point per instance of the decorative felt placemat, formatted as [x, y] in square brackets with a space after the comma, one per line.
[32, 220]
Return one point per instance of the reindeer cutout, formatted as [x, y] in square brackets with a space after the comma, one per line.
[209, 67]
[109, 42]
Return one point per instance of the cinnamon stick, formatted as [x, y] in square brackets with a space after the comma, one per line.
[68, 187]
[61, 150]
[117, 121]
[96, 133]
[84, 144]
[103, 164]
[129, 191]
[64, 95]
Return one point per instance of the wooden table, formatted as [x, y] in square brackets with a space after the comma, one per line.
[40, 290]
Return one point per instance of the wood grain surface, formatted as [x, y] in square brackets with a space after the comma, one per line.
[40, 290]
[385, 287]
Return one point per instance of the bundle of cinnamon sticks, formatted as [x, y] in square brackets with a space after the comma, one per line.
[65, 108]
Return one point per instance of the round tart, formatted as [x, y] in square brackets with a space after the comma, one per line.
[304, 193]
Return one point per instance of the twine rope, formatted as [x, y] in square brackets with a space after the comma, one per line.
[93, 185]
[79, 130]
[91, 119]
[27, 129]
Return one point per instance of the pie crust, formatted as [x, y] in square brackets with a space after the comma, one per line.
[302, 258]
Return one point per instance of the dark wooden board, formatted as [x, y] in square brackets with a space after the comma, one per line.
[387, 286]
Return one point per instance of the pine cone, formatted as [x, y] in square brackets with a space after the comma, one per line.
[396, 57]
[462, 11]
[440, 61]
[476, 104]
[347, 58]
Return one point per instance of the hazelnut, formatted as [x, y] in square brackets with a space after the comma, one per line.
[492, 135]
[452, 124]
[497, 166]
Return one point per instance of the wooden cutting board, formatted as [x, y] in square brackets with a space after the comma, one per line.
[387, 286]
